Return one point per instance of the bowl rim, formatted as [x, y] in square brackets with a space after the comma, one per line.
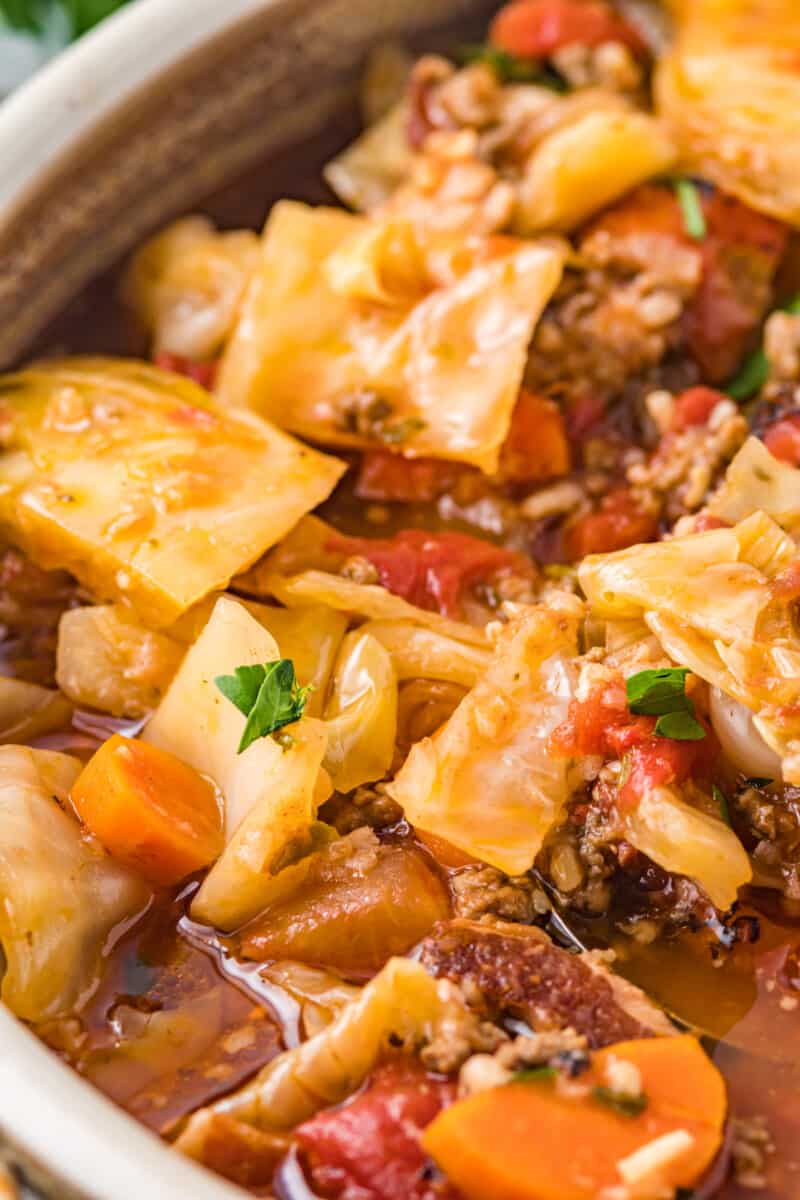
[73, 94]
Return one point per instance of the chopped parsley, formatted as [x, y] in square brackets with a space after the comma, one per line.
[691, 204]
[662, 693]
[398, 432]
[722, 802]
[510, 69]
[624, 1103]
[755, 371]
[534, 1074]
[269, 695]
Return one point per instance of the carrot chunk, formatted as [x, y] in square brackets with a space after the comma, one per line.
[532, 1140]
[150, 810]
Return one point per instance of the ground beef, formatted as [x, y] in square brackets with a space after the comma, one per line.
[616, 317]
[687, 464]
[511, 971]
[370, 805]
[770, 823]
[483, 891]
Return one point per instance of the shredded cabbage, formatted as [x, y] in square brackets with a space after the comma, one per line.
[361, 713]
[756, 480]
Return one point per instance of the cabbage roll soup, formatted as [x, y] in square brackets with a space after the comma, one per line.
[400, 764]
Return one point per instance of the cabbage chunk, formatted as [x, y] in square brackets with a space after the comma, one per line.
[364, 333]
[28, 710]
[587, 164]
[62, 895]
[756, 480]
[365, 174]
[419, 653]
[708, 599]
[485, 781]
[132, 479]
[270, 793]
[730, 92]
[361, 714]
[686, 841]
[108, 660]
[402, 1003]
[185, 285]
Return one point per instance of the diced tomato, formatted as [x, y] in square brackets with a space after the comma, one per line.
[617, 523]
[739, 257]
[536, 28]
[369, 1148]
[602, 724]
[536, 447]
[432, 570]
[204, 373]
[658, 761]
[783, 439]
[694, 407]
[703, 522]
[384, 476]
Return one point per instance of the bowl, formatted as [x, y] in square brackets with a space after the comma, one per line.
[158, 109]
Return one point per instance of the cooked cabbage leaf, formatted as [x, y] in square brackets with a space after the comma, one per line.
[106, 659]
[730, 92]
[28, 710]
[366, 333]
[361, 713]
[62, 895]
[686, 841]
[756, 480]
[186, 283]
[584, 166]
[403, 1004]
[419, 653]
[368, 171]
[709, 599]
[485, 780]
[132, 479]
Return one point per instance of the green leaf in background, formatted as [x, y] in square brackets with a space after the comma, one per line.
[29, 16]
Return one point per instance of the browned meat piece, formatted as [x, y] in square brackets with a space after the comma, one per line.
[516, 971]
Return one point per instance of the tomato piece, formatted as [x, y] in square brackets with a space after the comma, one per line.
[602, 724]
[369, 1148]
[536, 28]
[204, 373]
[352, 917]
[694, 407]
[739, 257]
[783, 439]
[536, 447]
[384, 476]
[432, 570]
[617, 523]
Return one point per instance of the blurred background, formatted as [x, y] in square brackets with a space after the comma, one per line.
[33, 31]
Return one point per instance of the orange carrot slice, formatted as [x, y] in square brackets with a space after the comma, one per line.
[150, 810]
[534, 1140]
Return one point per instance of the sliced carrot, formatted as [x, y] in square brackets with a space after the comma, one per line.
[536, 447]
[150, 810]
[445, 853]
[536, 1140]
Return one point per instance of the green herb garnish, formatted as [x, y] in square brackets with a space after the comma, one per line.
[510, 69]
[269, 696]
[655, 692]
[689, 199]
[621, 1102]
[534, 1074]
[399, 432]
[722, 802]
[754, 373]
[662, 693]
